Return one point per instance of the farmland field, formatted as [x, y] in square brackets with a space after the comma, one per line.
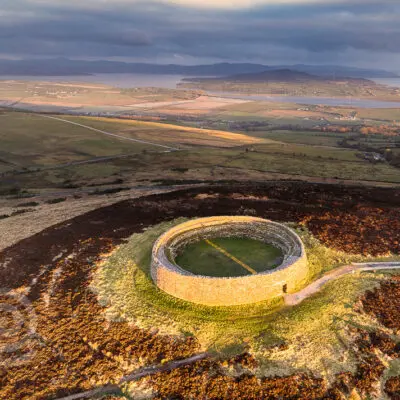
[57, 154]
[314, 88]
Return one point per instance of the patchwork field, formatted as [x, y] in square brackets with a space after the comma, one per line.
[177, 104]
[98, 98]
[76, 95]
[314, 88]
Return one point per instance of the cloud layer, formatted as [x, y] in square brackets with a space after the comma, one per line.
[188, 31]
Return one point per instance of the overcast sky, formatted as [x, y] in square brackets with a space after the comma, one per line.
[353, 32]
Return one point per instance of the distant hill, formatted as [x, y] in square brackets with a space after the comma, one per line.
[66, 67]
[277, 75]
[333, 71]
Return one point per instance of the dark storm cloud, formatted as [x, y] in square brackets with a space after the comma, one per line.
[320, 30]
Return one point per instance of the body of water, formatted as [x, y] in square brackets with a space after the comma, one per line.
[395, 82]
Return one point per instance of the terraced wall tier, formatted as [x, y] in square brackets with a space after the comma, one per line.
[217, 291]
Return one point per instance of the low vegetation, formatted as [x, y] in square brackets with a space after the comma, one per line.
[56, 200]
[123, 283]
[80, 345]
[70, 157]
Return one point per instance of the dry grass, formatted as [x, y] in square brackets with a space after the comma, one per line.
[170, 133]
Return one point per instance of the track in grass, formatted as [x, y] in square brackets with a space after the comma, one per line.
[224, 257]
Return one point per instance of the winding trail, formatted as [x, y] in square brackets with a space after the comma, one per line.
[314, 287]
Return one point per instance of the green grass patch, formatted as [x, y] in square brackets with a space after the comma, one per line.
[311, 138]
[201, 258]
[306, 160]
[31, 140]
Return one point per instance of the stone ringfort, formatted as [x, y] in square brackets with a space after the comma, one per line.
[227, 291]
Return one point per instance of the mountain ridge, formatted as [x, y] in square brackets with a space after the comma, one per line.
[277, 75]
[69, 67]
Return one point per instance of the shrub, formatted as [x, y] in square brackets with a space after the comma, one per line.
[108, 191]
[28, 204]
[55, 201]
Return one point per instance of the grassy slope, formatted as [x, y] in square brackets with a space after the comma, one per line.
[313, 330]
[312, 161]
[31, 140]
[202, 259]
[213, 163]
[28, 139]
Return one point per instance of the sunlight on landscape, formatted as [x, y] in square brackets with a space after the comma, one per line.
[200, 200]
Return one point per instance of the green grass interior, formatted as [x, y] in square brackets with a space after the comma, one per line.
[202, 259]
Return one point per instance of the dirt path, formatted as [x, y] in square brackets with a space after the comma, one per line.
[315, 287]
[108, 133]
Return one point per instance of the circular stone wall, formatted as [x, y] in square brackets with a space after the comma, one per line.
[217, 291]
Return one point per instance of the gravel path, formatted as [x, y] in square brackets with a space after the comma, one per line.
[315, 287]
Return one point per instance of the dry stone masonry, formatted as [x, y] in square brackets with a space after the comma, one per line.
[227, 291]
